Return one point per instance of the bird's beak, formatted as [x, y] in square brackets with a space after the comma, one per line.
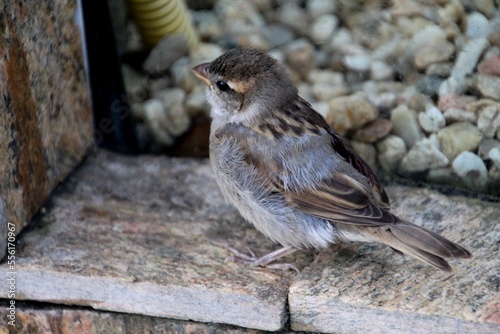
[201, 71]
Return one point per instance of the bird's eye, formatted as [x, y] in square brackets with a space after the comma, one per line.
[222, 85]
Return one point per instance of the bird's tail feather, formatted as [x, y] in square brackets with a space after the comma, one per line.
[416, 241]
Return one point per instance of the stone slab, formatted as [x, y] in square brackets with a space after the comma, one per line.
[146, 235]
[372, 289]
[45, 116]
[49, 319]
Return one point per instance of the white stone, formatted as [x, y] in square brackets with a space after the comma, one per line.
[325, 92]
[469, 55]
[431, 120]
[325, 76]
[489, 86]
[488, 121]
[154, 112]
[316, 8]
[293, 16]
[342, 41]
[323, 27]
[183, 76]
[423, 156]
[405, 125]
[471, 170]
[277, 54]
[460, 115]
[206, 52]
[321, 107]
[176, 120]
[390, 152]
[453, 85]
[358, 62]
[494, 155]
[477, 25]
[196, 104]
[381, 71]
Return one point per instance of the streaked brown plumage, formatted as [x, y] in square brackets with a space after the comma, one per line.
[290, 174]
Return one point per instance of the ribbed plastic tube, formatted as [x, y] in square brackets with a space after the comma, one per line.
[157, 18]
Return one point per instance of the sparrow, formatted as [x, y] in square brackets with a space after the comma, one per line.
[289, 174]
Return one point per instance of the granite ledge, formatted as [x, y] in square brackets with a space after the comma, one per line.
[146, 235]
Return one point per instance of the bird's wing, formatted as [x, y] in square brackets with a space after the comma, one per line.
[341, 199]
[335, 196]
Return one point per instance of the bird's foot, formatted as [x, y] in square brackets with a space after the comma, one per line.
[263, 261]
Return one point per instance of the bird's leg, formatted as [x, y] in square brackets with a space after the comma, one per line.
[263, 261]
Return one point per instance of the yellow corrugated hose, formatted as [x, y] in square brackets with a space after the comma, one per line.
[157, 18]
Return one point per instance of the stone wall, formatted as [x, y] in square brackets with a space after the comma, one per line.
[45, 114]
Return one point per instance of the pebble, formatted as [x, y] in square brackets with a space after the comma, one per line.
[459, 137]
[326, 76]
[489, 86]
[430, 54]
[321, 107]
[358, 62]
[294, 17]
[429, 85]
[453, 85]
[431, 120]
[182, 74]
[325, 92]
[459, 115]
[391, 151]
[278, 35]
[486, 145]
[380, 71]
[350, 112]
[165, 53]
[423, 156]
[321, 31]
[488, 121]
[154, 114]
[471, 170]
[373, 131]
[367, 152]
[494, 155]
[490, 65]
[384, 101]
[439, 69]
[196, 104]
[154, 85]
[405, 125]
[316, 8]
[494, 37]
[205, 52]
[477, 25]
[176, 120]
[448, 101]
[300, 56]
[468, 57]
[208, 24]
[487, 7]
[430, 35]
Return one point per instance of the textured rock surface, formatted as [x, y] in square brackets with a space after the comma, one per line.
[146, 235]
[371, 289]
[45, 116]
[49, 319]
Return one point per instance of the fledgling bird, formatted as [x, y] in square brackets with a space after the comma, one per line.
[290, 174]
